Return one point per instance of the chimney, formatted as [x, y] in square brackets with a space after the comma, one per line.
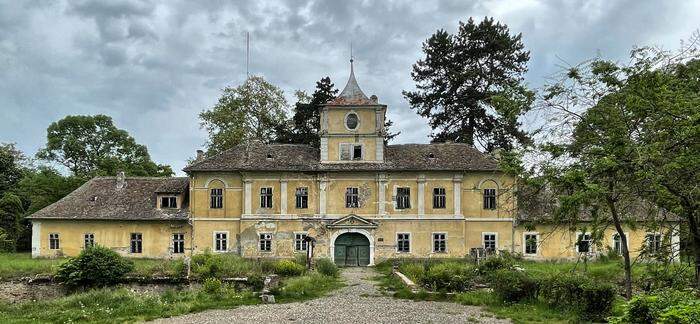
[374, 99]
[121, 180]
[200, 155]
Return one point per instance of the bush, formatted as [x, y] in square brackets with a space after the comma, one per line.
[207, 265]
[494, 263]
[658, 277]
[289, 268]
[670, 304]
[212, 285]
[414, 271]
[94, 266]
[327, 267]
[513, 286]
[449, 276]
[591, 300]
[681, 314]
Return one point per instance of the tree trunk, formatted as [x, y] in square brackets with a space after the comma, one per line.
[695, 233]
[623, 248]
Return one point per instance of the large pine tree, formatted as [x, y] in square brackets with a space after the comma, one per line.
[470, 85]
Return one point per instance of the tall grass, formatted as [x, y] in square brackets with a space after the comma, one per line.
[16, 265]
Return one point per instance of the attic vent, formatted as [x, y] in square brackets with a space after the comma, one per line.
[431, 155]
[269, 156]
[93, 198]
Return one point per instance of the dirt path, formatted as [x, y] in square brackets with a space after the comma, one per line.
[358, 302]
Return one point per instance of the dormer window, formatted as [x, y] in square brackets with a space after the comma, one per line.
[350, 152]
[168, 202]
[352, 121]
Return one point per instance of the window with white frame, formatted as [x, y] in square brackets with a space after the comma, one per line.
[300, 241]
[439, 242]
[490, 241]
[220, 241]
[136, 245]
[439, 198]
[54, 241]
[302, 197]
[403, 198]
[88, 240]
[265, 242]
[178, 243]
[617, 244]
[489, 198]
[216, 198]
[168, 202]
[350, 152]
[352, 121]
[266, 197]
[352, 197]
[653, 242]
[583, 243]
[403, 242]
[530, 243]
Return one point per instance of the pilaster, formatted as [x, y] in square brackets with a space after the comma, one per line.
[381, 193]
[283, 196]
[247, 196]
[457, 182]
[421, 195]
[322, 188]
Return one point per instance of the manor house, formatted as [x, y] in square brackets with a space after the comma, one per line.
[354, 198]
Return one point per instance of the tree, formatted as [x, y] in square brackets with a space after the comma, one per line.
[11, 212]
[470, 85]
[92, 145]
[10, 168]
[251, 111]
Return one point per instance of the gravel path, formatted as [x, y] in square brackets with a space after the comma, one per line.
[358, 302]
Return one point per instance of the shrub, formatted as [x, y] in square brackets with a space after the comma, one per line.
[661, 277]
[686, 313]
[449, 276]
[414, 271]
[289, 268]
[650, 308]
[212, 285]
[207, 265]
[495, 263]
[327, 267]
[513, 286]
[94, 266]
[590, 299]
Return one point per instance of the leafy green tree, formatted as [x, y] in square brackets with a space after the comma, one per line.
[92, 145]
[44, 186]
[251, 111]
[10, 168]
[470, 85]
[11, 213]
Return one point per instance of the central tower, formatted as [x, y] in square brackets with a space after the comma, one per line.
[352, 126]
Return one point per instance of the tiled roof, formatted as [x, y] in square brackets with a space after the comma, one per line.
[101, 199]
[296, 157]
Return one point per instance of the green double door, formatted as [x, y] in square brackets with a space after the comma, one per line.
[351, 250]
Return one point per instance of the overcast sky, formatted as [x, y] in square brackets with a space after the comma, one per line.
[153, 66]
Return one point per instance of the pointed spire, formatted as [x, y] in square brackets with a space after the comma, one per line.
[352, 91]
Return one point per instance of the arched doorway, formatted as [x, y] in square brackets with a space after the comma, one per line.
[351, 250]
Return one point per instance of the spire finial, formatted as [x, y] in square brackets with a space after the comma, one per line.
[351, 57]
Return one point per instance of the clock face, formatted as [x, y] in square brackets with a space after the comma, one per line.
[351, 121]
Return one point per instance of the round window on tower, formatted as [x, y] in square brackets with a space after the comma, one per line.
[351, 121]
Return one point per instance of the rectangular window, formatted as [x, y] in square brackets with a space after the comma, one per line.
[653, 243]
[265, 242]
[220, 241]
[136, 243]
[583, 243]
[178, 243]
[490, 241]
[403, 198]
[617, 244]
[439, 198]
[350, 152]
[439, 242]
[530, 243]
[266, 197]
[300, 242]
[88, 240]
[54, 243]
[489, 198]
[168, 202]
[352, 198]
[302, 195]
[217, 198]
[403, 242]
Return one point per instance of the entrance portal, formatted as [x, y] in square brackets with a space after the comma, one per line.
[351, 250]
